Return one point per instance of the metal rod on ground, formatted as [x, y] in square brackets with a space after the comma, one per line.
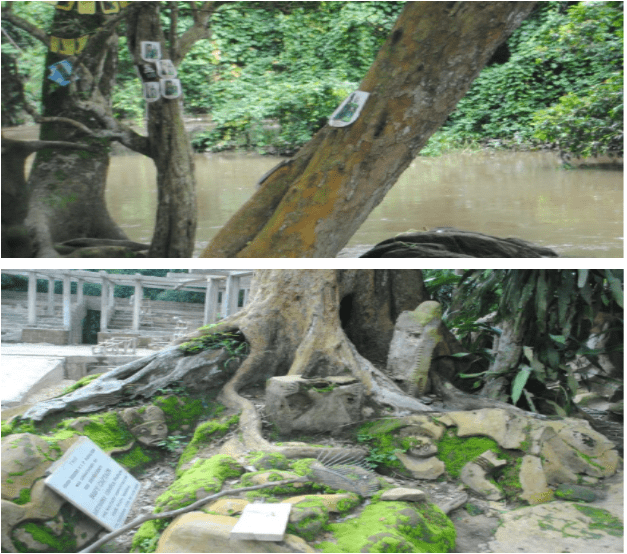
[174, 513]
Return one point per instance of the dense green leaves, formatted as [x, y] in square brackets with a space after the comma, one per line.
[554, 309]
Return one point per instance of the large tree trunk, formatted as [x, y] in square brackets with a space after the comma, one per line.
[67, 199]
[312, 205]
[170, 148]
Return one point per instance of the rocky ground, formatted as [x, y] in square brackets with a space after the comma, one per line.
[476, 520]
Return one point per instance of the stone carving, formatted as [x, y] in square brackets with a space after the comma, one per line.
[416, 334]
[147, 427]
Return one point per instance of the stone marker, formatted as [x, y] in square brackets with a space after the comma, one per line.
[262, 522]
[94, 483]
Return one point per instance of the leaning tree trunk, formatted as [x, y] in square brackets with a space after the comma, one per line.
[170, 149]
[313, 204]
[67, 198]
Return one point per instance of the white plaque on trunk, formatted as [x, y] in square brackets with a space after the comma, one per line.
[94, 483]
[262, 522]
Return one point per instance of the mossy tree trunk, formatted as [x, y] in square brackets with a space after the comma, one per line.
[311, 206]
[67, 199]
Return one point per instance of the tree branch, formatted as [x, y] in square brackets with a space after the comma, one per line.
[186, 509]
[174, 18]
[196, 32]
[21, 23]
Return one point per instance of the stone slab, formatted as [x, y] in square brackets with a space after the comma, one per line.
[94, 483]
[262, 522]
[22, 375]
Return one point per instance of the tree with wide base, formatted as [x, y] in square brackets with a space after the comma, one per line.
[311, 205]
[310, 323]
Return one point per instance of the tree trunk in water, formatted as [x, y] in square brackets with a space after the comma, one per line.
[68, 188]
[175, 225]
[313, 204]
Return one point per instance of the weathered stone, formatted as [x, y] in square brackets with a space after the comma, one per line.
[575, 492]
[402, 493]
[416, 334]
[424, 448]
[332, 502]
[308, 520]
[558, 527]
[474, 475]
[297, 404]
[227, 506]
[507, 429]
[274, 475]
[25, 458]
[533, 481]
[200, 532]
[422, 468]
[422, 426]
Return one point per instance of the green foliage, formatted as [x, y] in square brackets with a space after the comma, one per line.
[589, 124]
[557, 51]
[554, 310]
[382, 445]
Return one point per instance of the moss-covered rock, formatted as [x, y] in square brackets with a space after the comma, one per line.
[203, 478]
[393, 527]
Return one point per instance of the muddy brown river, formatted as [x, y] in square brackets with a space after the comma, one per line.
[578, 213]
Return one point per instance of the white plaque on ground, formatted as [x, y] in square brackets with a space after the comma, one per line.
[94, 483]
[262, 522]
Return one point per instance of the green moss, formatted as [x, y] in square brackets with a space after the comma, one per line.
[204, 434]
[18, 425]
[589, 460]
[308, 519]
[136, 458]
[23, 498]
[268, 460]
[602, 519]
[393, 527]
[80, 383]
[208, 475]
[179, 411]
[147, 536]
[456, 451]
[64, 543]
[105, 429]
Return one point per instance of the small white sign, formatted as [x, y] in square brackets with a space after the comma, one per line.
[94, 483]
[165, 68]
[152, 91]
[171, 88]
[349, 110]
[150, 51]
[262, 522]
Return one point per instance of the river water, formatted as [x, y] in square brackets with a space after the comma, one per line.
[578, 213]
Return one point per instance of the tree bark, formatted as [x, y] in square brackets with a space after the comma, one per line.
[311, 206]
[169, 147]
[67, 199]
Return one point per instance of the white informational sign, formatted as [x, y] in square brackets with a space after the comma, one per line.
[94, 483]
[171, 88]
[151, 51]
[349, 110]
[262, 522]
[165, 68]
[152, 91]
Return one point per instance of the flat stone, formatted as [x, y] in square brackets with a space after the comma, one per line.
[402, 493]
[331, 502]
[474, 476]
[422, 468]
[558, 527]
[227, 506]
[200, 532]
[533, 481]
[507, 429]
[575, 492]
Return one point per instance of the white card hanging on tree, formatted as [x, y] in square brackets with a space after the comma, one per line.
[171, 88]
[151, 51]
[110, 7]
[152, 91]
[349, 110]
[165, 69]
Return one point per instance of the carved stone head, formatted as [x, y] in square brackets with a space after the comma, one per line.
[147, 427]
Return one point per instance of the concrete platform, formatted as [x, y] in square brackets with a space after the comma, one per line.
[28, 368]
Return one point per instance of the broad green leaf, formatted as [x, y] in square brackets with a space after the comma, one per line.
[558, 409]
[528, 396]
[582, 277]
[559, 339]
[519, 382]
[615, 287]
[528, 352]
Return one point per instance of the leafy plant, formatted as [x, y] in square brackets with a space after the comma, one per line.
[173, 443]
[553, 311]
